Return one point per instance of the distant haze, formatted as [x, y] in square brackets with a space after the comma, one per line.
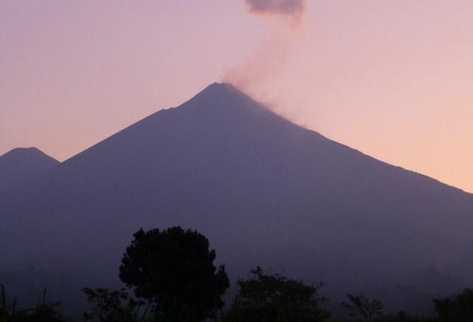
[391, 78]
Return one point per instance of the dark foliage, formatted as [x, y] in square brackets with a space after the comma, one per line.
[363, 308]
[403, 317]
[44, 312]
[7, 312]
[174, 271]
[274, 298]
[114, 306]
[456, 309]
[40, 313]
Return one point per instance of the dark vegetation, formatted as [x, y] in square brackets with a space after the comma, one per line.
[170, 276]
[173, 272]
[266, 298]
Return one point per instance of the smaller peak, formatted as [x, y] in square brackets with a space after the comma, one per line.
[28, 150]
[23, 151]
[26, 153]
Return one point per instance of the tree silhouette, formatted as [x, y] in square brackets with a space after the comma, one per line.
[444, 309]
[269, 298]
[363, 308]
[456, 309]
[174, 271]
[40, 313]
[43, 312]
[113, 306]
[6, 311]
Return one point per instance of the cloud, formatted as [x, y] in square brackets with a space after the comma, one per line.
[294, 8]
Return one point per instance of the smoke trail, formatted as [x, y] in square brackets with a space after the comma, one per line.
[293, 8]
[264, 66]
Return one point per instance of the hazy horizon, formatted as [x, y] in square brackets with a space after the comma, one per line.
[392, 80]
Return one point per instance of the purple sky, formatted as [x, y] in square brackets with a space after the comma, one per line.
[391, 78]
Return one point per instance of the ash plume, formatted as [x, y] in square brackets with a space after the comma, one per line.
[293, 8]
[283, 21]
[263, 65]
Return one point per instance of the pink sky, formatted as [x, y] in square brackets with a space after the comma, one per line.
[393, 79]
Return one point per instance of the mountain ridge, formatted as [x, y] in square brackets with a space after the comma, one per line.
[230, 89]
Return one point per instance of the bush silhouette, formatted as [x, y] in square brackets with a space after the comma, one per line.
[113, 306]
[456, 309]
[173, 270]
[363, 308]
[43, 312]
[269, 298]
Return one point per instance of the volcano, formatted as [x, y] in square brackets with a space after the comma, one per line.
[264, 190]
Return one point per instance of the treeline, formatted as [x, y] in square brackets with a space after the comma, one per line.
[170, 276]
